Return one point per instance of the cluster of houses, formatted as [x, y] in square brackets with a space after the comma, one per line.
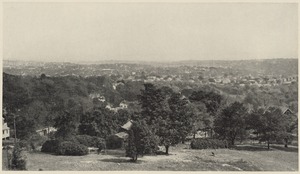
[197, 78]
[101, 98]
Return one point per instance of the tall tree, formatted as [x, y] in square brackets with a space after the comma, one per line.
[167, 114]
[181, 115]
[270, 124]
[140, 140]
[212, 102]
[66, 126]
[231, 122]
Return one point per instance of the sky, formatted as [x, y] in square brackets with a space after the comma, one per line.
[149, 31]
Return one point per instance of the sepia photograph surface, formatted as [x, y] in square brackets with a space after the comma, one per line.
[150, 86]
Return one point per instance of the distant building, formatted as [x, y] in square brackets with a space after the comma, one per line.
[46, 131]
[123, 105]
[127, 126]
[101, 98]
[285, 110]
[5, 130]
[123, 135]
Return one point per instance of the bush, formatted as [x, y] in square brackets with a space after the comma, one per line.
[206, 143]
[113, 142]
[71, 148]
[91, 141]
[23, 144]
[50, 146]
[19, 158]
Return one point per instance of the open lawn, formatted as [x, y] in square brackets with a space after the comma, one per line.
[181, 158]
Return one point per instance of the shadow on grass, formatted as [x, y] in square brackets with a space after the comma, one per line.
[119, 160]
[289, 149]
[116, 153]
[251, 148]
[161, 153]
[264, 148]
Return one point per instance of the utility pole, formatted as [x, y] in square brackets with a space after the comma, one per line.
[15, 130]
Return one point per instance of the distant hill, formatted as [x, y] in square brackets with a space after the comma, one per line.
[275, 67]
[264, 66]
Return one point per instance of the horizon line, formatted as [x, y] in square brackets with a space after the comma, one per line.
[145, 61]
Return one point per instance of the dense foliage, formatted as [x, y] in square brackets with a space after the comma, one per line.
[19, 159]
[231, 123]
[272, 125]
[91, 141]
[50, 146]
[166, 113]
[71, 148]
[113, 142]
[169, 111]
[140, 141]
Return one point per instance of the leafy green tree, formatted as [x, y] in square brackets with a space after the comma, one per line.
[25, 126]
[211, 100]
[181, 115]
[271, 125]
[140, 140]
[231, 122]
[212, 104]
[66, 126]
[122, 116]
[106, 122]
[167, 113]
[132, 150]
[88, 125]
[152, 103]
[19, 159]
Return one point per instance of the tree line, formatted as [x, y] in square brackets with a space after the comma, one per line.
[161, 115]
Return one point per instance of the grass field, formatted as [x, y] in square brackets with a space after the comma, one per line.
[181, 158]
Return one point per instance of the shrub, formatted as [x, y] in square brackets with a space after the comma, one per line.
[19, 158]
[206, 143]
[71, 148]
[23, 144]
[113, 142]
[90, 141]
[50, 146]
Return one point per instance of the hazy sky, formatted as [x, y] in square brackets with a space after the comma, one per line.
[149, 31]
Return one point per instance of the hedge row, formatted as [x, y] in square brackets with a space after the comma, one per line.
[50, 146]
[206, 143]
[71, 148]
[76, 145]
[91, 141]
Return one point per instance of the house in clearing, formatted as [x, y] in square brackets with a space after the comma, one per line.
[46, 131]
[127, 126]
[5, 130]
[123, 134]
[285, 110]
[123, 105]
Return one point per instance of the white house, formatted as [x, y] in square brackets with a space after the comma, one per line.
[46, 131]
[5, 130]
[123, 105]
